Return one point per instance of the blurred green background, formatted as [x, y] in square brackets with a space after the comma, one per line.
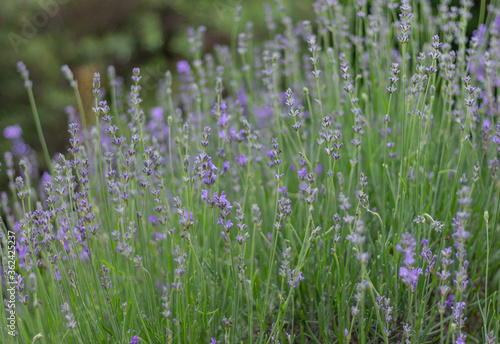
[89, 35]
[92, 34]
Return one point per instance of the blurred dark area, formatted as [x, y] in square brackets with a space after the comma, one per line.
[92, 34]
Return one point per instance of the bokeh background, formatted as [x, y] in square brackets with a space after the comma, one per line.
[89, 35]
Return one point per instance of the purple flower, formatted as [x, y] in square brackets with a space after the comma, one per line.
[428, 256]
[294, 279]
[242, 97]
[226, 225]
[223, 119]
[134, 340]
[158, 236]
[461, 234]
[410, 277]
[213, 341]
[204, 195]
[490, 338]
[263, 114]
[183, 67]
[157, 114]
[451, 300]
[13, 132]
[242, 160]
[302, 173]
[458, 308]
[153, 220]
[205, 169]
[224, 236]
[19, 148]
[480, 33]
[319, 168]
[46, 177]
[221, 201]
[407, 247]
[21, 68]
[486, 123]
[186, 217]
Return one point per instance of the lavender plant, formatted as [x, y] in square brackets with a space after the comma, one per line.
[335, 184]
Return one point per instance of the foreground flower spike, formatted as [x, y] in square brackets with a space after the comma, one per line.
[295, 278]
[408, 273]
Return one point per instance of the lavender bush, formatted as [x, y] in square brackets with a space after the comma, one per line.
[336, 184]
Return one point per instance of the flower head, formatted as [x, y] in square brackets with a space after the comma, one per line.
[183, 67]
[13, 132]
[295, 277]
